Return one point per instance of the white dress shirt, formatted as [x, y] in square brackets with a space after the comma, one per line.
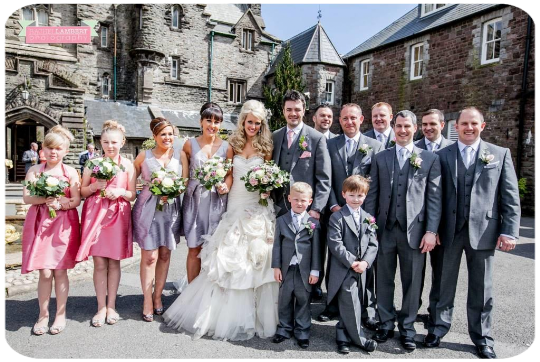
[299, 226]
[409, 148]
[296, 130]
[386, 135]
[436, 142]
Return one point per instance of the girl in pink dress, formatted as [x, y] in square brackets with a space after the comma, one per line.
[50, 244]
[106, 224]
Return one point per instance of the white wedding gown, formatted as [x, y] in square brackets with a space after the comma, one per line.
[235, 296]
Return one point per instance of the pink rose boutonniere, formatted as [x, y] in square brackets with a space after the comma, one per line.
[487, 157]
[310, 226]
[371, 223]
[416, 161]
[302, 143]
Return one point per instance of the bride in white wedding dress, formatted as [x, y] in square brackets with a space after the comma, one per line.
[235, 296]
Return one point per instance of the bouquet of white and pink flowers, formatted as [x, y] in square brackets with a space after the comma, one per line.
[213, 172]
[265, 178]
[46, 186]
[166, 183]
[103, 169]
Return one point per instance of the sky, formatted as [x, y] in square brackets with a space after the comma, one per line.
[347, 25]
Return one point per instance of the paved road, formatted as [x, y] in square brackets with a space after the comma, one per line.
[132, 338]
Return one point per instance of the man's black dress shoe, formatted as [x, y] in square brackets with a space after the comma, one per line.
[382, 335]
[486, 352]
[432, 340]
[408, 343]
[343, 347]
[326, 316]
[370, 323]
[278, 338]
[370, 345]
[303, 343]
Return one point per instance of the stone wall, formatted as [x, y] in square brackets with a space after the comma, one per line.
[454, 79]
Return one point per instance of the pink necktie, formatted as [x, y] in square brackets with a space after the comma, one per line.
[290, 135]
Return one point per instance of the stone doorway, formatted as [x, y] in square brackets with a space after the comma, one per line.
[19, 135]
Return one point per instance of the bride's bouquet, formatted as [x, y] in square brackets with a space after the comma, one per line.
[213, 172]
[166, 183]
[104, 169]
[265, 178]
[46, 186]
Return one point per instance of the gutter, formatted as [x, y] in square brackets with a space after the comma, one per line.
[210, 66]
[523, 100]
[114, 61]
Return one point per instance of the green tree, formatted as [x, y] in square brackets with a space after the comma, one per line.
[287, 76]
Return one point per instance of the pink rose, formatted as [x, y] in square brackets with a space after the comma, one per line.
[372, 220]
[95, 169]
[312, 226]
[304, 144]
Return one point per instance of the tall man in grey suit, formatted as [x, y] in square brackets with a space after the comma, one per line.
[480, 212]
[351, 153]
[433, 140]
[302, 151]
[381, 116]
[405, 196]
[323, 119]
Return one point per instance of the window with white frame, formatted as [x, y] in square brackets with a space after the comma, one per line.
[175, 23]
[451, 132]
[428, 9]
[417, 61]
[39, 13]
[491, 41]
[329, 92]
[104, 36]
[247, 39]
[174, 68]
[236, 91]
[364, 74]
[105, 85]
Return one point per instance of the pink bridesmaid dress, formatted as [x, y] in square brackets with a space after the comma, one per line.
[50, 243]
[106, 224]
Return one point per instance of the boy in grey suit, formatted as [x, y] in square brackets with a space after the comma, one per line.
[352, 242]
[296, 261]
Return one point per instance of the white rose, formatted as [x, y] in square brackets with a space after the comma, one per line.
[207, 168]
[52, 181]
[259, 173]
[221, 172]
[107, 166]
[167, 182]
[160, 174]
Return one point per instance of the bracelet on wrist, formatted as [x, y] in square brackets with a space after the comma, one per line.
[431, 232]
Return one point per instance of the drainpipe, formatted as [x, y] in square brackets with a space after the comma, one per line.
[523, 101]
[114, 61]
[210, 66]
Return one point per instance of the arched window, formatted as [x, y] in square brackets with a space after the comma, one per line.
[42, 17]
[175, 21]
[105, 85]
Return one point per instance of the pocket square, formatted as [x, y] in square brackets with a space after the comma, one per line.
[305, 154]
[492, 165]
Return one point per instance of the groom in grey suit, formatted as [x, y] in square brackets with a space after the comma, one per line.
[351, 153]
[302, 151]
[480, 212]
[405, 196]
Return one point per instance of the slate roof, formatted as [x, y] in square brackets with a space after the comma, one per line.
[310, 46]
[136, 119]
[411, 24]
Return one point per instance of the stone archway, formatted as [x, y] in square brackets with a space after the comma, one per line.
[22, 124]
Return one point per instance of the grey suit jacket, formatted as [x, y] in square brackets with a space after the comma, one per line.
[314, 169]
[495, 205]
[424, 193]
[332, 135]
[338, 158]
[371, 134]
[421, 143]
[347, 245]
[307, 247]
[27, 159]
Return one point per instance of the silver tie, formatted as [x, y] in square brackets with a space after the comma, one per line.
[350, 148]
[402, 157]
[381, 138]
[468, 153]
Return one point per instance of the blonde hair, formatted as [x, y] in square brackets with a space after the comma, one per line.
[262, 142]
[383, 104]
[302, 187]
[111, 125]
[355, 183]
[57, 136]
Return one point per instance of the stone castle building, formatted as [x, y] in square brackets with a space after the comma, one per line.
[148, 60]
